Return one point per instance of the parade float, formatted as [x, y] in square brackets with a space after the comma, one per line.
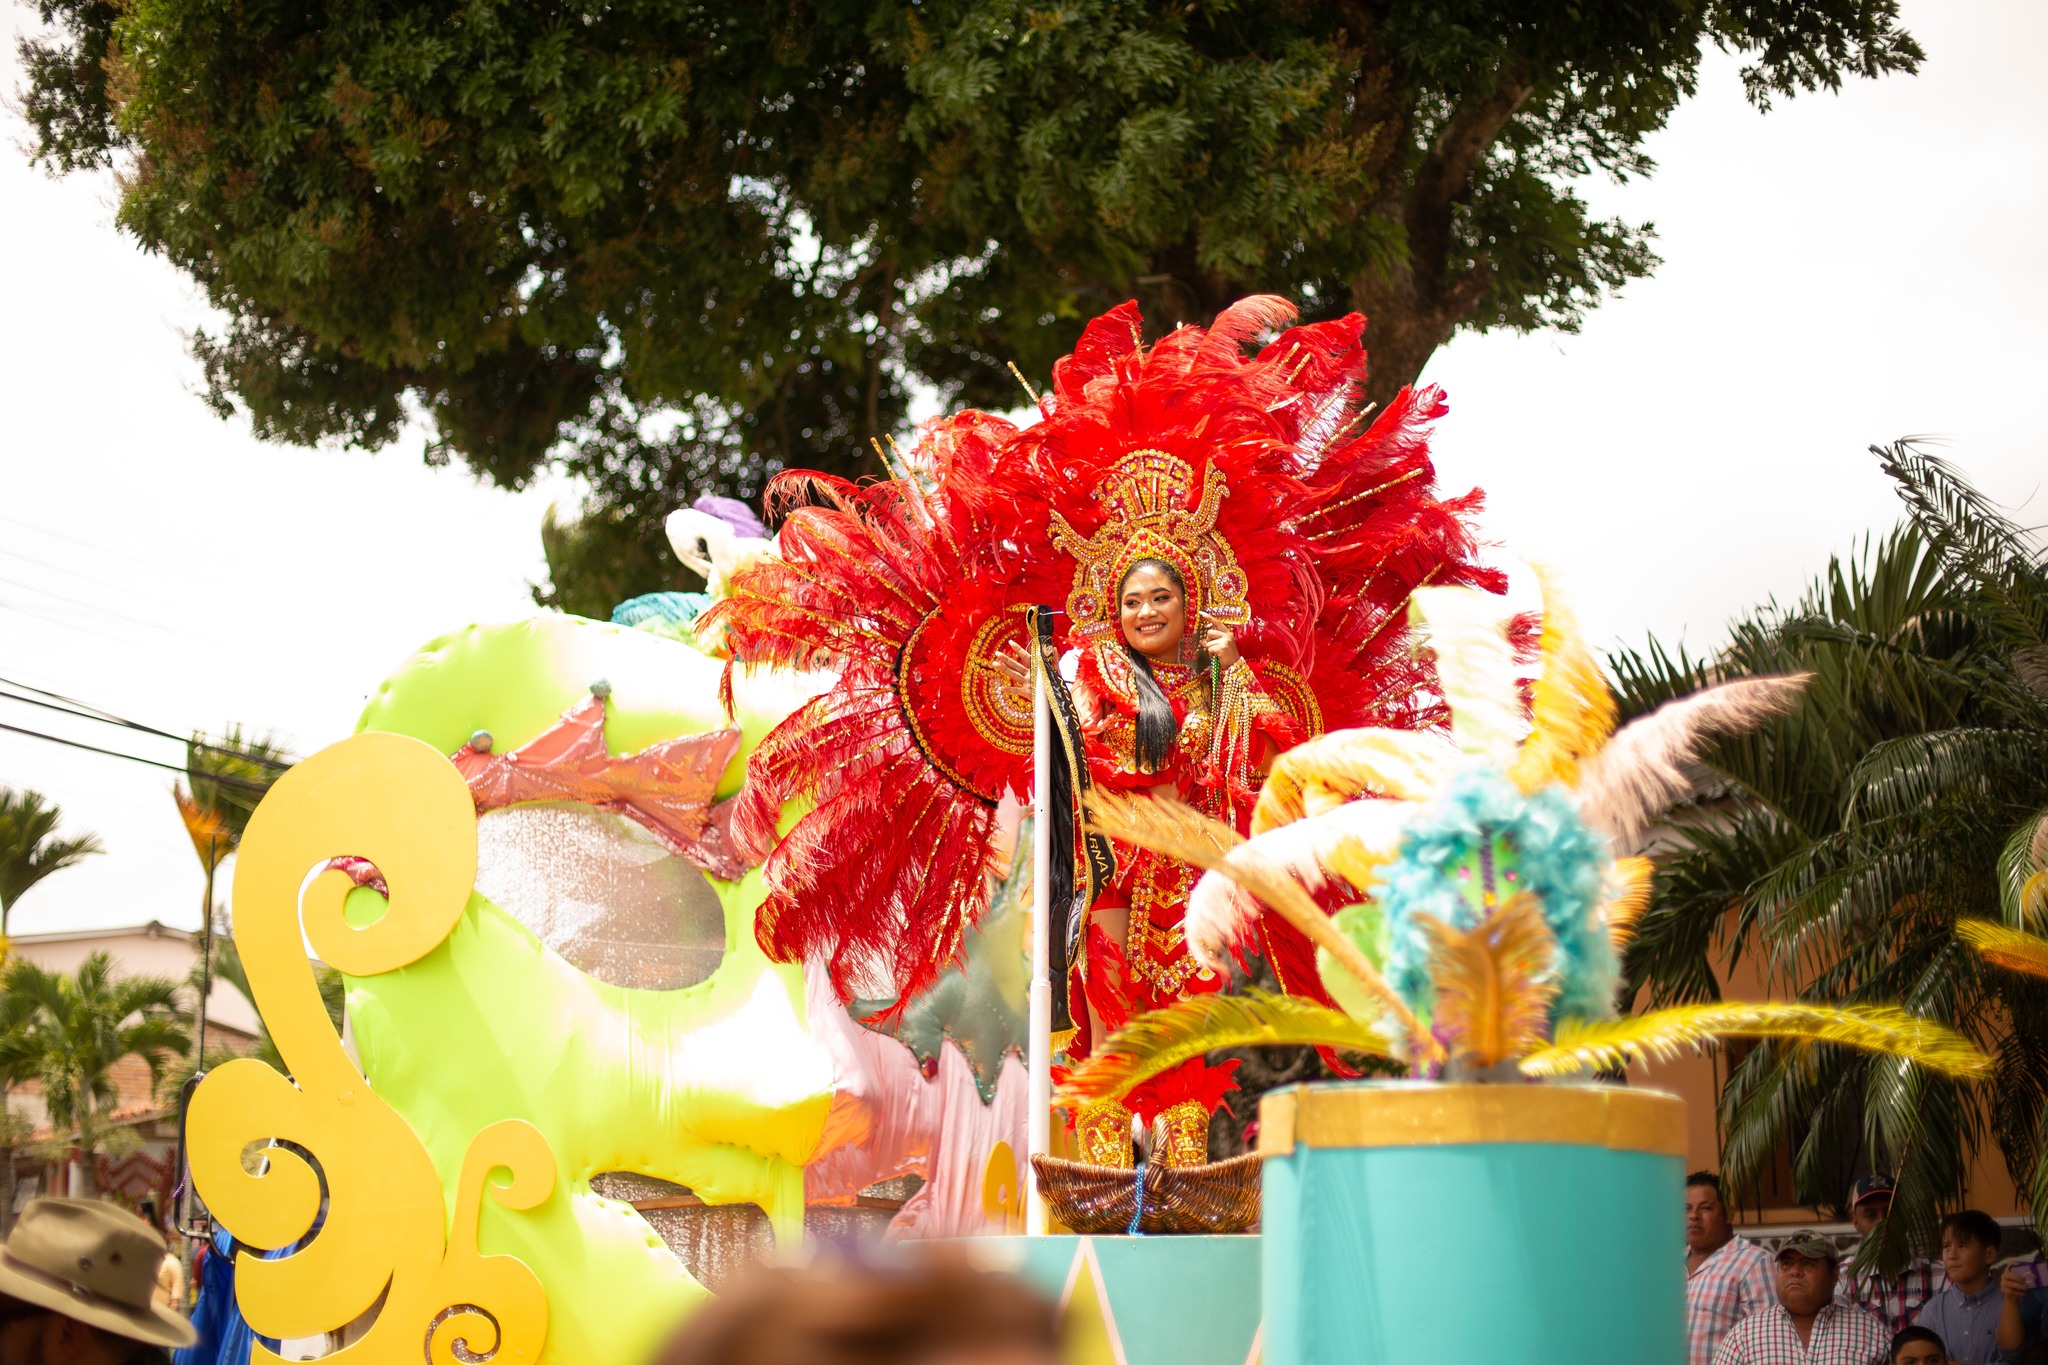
[731, 920]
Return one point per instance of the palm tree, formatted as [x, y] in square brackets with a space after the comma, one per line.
[70, 1032]
[227, 776]
[29, 851]
[1838, 847]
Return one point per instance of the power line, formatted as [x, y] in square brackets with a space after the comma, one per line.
[256, 788]
[90, 606]
[68, 625]
[140, 728]
[70, 572]
[74, 540]
[87, 711]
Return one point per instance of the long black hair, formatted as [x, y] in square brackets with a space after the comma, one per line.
[1156, 730]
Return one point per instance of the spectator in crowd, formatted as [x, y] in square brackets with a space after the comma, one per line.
[1918, 1346]
[2019, 1317]
[1964, 1313]
[1805, 1326]
[1726, 1277]
[935, 1307]
[1896, 1299]
[76, 1282]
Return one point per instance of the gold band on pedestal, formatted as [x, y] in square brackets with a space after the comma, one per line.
[1422, 1114]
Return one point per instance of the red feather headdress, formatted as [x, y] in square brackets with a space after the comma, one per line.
[1302, 533]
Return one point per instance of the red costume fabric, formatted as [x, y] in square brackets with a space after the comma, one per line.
[1300, 532]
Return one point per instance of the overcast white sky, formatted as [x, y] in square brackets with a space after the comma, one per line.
[1845, 270]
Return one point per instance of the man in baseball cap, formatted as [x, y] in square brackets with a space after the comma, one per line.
[1895, 1298]
[1806, 1323]
[77, 1284]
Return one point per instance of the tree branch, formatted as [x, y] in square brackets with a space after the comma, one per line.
[1445, 175]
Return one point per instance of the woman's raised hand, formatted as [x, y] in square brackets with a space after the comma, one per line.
[1219, 642]
[1013, 661]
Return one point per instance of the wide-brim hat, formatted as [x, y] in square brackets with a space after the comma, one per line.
[94, 1263]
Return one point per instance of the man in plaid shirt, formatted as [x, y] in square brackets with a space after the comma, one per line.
[1896, 1300]
[1805, 1326]
[1726, 1277]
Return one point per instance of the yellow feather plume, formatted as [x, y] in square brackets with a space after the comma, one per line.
[1178, 831]
[1335, 768]
[1609, 1044]
[1573, 711]
[1164, 826]
[1493, 982]
[2005, 947]
[1628, 895]
[1162, 1039]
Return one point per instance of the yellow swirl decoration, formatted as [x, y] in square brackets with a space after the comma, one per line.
[401, 805]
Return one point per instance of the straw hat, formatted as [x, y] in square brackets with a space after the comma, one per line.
[92, 1262]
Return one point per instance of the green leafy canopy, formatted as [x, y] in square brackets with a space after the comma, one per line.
[675, 246]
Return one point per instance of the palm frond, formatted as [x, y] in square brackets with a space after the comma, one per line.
[29, 847]
[1494, 982]
[1907, 774]
[1628, 895]
[2037, 1188]
[1335, 768]
[1162, 1039]
[1973, 536]
[1179, 831]
[2030, 666]
[2014, 949]
[1610, 1044]
[1636, 777]
[1572, 710]
[2023, 873]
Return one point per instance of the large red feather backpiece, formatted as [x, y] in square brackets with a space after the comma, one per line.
[910, 585]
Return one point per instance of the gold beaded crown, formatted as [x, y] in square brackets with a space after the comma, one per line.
[1147, 515]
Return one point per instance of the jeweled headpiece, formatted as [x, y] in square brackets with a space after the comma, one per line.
[1146, 515]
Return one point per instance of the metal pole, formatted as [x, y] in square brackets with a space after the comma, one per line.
[205, 955]
[1040, 1130]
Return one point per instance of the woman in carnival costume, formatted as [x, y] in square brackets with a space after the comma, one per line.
[1235, 558]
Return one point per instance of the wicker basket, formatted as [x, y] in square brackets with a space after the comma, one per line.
[1221, 1197]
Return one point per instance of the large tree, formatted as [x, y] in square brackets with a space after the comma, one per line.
[674, 245]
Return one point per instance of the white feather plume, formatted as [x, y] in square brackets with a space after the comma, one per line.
[1636, 777]
[1475, 667]
[1345, 842]
[709, 547]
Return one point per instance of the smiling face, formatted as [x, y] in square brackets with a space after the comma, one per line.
[1153, 611]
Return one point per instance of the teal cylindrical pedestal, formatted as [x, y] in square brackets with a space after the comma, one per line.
[1473, 1225]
